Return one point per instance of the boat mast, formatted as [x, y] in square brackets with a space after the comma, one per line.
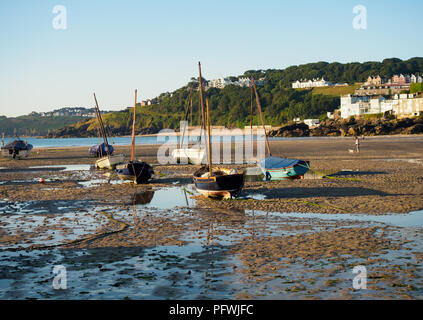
[190, 106]
[261, 116]
[203, 117]
[133, 129]
[208, 130]
[100, 121]
[186, 119]
[251, 110]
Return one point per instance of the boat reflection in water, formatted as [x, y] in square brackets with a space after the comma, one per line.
[144, 197]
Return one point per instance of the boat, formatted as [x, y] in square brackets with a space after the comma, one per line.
[108, 160]
[221, 183]
[135, 171]
[277, 168]
[215, 182]
[17, 149]
[188, 155]
[99, 149]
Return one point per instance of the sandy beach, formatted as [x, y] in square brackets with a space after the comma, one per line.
[175, 244]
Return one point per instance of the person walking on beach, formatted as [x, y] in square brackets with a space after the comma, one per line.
[357, 144]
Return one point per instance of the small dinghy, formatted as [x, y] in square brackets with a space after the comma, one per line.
[186, 154]
[134, 170]
[189, 155]
[216, 182]
[223, 183]
[275, 168]
[17, 149]
[107, 160]
[100, 149]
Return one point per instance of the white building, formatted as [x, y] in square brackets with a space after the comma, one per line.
[354, 105]
[408, 106]
[403, 105]
[219, 83]
[310, 83]
[242, 82]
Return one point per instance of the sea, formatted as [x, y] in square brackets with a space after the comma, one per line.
[124, 141]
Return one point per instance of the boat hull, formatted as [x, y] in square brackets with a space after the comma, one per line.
[99, 150]
[109, 162]
[138, 172]
[295, 171]
[225, 186]
[194, 156]
[16, 149]
[20, 154]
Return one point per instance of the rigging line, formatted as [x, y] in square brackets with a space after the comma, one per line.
[251, 109]
[133, 129]
[203, 117]
[185, 118]
[261, 115]
[101, 126]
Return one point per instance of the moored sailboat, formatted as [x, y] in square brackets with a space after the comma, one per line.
[17, 149]
[134, 170]
[107, 161]
[185, 154]
[276, 168]
[216, 182]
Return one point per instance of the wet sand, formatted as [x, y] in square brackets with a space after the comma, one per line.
[162, 241]
[385, 177]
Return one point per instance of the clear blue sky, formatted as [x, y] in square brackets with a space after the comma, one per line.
[112, 47]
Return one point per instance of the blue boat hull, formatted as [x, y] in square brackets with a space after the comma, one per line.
[294, 169]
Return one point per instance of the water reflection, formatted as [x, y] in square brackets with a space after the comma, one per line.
[144, 197]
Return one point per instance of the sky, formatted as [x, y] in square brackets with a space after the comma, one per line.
[112, 47]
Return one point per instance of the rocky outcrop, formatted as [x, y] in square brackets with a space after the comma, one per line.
[293, 130]
[353, 127]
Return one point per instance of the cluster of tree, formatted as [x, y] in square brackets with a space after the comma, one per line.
[338, 72]
[416, 87]
[280, 103]
[34, 125]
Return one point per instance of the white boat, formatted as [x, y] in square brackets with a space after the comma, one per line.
[189, 155]
[109, 162]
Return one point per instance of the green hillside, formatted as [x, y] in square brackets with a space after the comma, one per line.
[34, 125]
[231, 106]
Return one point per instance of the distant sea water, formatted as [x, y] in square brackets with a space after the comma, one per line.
[117, 141]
